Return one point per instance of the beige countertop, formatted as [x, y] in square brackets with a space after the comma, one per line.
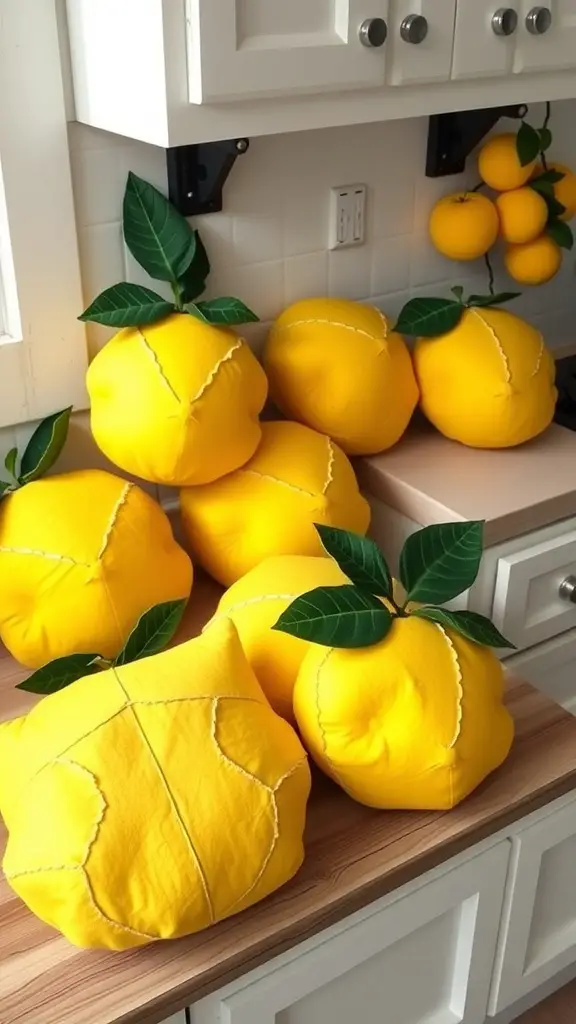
[432, 480]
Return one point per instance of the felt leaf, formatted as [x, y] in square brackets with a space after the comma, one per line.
[10, 461]
[427, 318]
[527, 144]
[157, 235]
[337, 617]
[458, 291]
[152, 632]
[227, 310]
[469, 624]
[4, 488]
[194, 310]
[193, 282]
[359, 558]
[441, 561]
[44, 446]
[545, 139]
[60, 673]
[561, 233]
[492, 300]
[127, 305]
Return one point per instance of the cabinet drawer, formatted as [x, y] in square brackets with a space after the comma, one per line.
[551, 668]
[478, 50]
[527, 605]
[538, 936]
[422, 60]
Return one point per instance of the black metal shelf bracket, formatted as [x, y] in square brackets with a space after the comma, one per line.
[452, 137]
[197, 174]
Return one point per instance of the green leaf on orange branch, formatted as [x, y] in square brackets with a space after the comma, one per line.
[469, 624]
[528, 145]
[60, 673]
[157, 235]
[429, 317]
[561, 233]
[337, 617]
[441, 561]
[359, 558]
[127, 305]
[545, 139]
[44, 446]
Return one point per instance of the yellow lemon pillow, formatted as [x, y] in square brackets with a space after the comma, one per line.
[338, 367]
[154, 800]
[297, 477]
[489, 382]
[82, 556]
[413, 722]
[255, 603]
[177, 402]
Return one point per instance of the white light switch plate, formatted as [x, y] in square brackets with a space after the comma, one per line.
[347, 216]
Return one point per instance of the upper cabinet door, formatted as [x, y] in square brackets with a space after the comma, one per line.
[485, 38]
[239, 49]
[421, 39]
[547, 36]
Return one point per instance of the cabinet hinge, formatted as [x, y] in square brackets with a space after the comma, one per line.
[197, 174]
[452, 137]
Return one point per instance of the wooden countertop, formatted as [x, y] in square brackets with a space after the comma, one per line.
[354, 856]
[432, 480]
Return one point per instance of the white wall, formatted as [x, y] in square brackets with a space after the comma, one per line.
[270, 244]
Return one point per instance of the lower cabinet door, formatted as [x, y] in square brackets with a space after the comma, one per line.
[538, 937]
[550, 667]
[178, 1018]
[417, 957]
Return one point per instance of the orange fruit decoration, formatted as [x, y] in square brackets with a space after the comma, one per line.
[534, 262]
[523, 215]
[464, 225]
[499, 165]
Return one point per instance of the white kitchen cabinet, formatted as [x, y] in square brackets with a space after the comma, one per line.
[422, 957]
[553, 48]
[551, 668]
[420, 41]
[538, 936]
[243, 48]
[479, 50]
[178, 1018]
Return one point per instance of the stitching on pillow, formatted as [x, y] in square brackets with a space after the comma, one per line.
[276, 480]
[329, 323]
[540, 356]
[330, 471]
[490, 329]
[113, 519]
[318, 713]
[45, 554]
[247, 604]
[158, 365]
[460, 691]
[214, 372]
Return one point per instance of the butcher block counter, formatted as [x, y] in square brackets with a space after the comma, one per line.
[355, 857]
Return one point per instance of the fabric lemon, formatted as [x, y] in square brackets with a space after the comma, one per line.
[534, 262]
[499, 164]
[255, 602]
[159, 800]
[297, 477]
[82, 556]
[488, 382]
[464, 226]
[414, 722]
[523, 215]
[177, 402]
[337, 366]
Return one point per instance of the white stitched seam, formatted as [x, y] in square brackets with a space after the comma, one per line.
[330, 472]
[276, 480]
[214, 372]
[540, 355]
[459, 690]
[45, 554]
[158, 365]
[330, 323]
[507, 373]
[112, 521]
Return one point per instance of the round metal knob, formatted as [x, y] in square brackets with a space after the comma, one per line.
[373, 32]
[567, 589]
[414, 28]
[504, 21]
[539, 20]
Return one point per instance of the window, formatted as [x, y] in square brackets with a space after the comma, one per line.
[42, 345]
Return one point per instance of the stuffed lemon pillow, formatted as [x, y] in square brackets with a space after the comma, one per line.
[82, 556]
[255, 603]
[153, 800]
[415, 722]
[177, 402]
[336, 366]
[489, 382]
[269, 507]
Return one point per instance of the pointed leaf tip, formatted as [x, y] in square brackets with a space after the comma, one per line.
[153, 631]
[127, 305]
[337, 617]
[428, 318]
[359, 558]
[471, 625]
[441, 561]
[44, 446]
[60, 673]
[157, 235]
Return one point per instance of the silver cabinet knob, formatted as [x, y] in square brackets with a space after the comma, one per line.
[539, 20]
[373, 32]
[504, 21]
[567, 589]
[414, 28]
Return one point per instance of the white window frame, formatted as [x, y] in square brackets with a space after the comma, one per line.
[43, 354]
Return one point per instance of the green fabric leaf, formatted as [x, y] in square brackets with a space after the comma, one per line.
[227, 311]
[492, 300]
[127, 305]
[359, 558]
[458, 291]
[545, 139]
[427, 318]
[194, 310]
[153, 631]
[527, 144]
[337, 617]
[44, 446]
[159, 237]
[561, 233]
[469, 624]
[441, 561]
[10, 461]
[551, 177]
[60, 673]
[193, 282]
[4, 488]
